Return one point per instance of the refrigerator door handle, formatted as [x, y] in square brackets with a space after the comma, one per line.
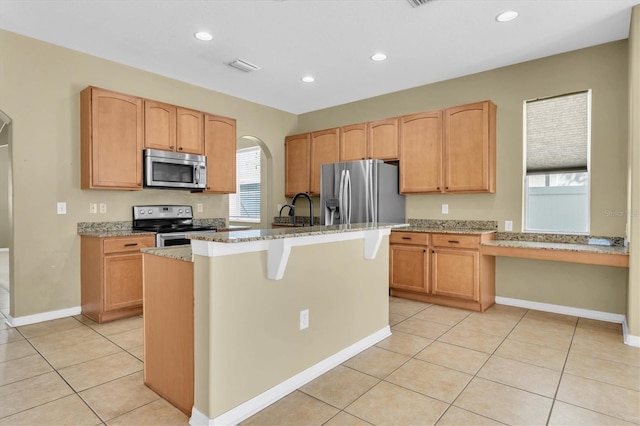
[341, 201]
[347, 190]
[372, 187]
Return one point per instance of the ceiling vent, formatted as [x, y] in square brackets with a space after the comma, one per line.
[416, 3]
[243, 65]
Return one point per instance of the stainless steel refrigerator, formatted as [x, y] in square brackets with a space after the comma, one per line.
[360, 192]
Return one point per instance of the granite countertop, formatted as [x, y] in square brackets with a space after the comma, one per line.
[107, 233]
[279, 233]
[583, 248]
[439, 230]
[174, 252]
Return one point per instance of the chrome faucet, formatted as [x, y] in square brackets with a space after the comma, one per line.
[293, 205]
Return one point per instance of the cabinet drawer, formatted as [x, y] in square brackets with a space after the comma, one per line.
[119, 245]
[414, 238]
[456, 241]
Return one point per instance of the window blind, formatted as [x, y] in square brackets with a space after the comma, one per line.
[557, 134]
[244, 205]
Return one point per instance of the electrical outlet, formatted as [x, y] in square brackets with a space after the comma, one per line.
[445, 209]
[93, 208]
[103, 207]
[508, 225]
[199, 207]
[304, 319]
[62, 208]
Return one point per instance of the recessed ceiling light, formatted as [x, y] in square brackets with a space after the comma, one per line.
[308, 79]
[507, 16]
[204, 36]
[378, 57]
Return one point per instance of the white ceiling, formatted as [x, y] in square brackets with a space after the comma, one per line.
[329, 39]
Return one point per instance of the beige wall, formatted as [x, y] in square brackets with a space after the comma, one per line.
[603, 69]
[238, 307]
[39, 89]
[633, 310]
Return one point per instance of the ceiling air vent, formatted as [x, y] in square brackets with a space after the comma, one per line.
[416, 3]
[243, 65]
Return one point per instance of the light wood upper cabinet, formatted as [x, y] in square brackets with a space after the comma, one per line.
[171, 128]
[383, 139]
[421, 152]
[353, 142]
[220, 149]
[297, 175]
[189, 131]
[159, 126]
[111, 140]
[470, 148]
[325, 148]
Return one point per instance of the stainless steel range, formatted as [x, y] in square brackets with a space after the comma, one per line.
[171, 223]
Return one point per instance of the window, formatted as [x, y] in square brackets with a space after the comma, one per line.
[556, 184]
[244, 205]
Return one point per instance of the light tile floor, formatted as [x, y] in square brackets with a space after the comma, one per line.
[441, 366]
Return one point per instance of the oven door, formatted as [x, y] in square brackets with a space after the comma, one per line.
[168, 239]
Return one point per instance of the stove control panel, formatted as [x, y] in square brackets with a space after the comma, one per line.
[162, 212]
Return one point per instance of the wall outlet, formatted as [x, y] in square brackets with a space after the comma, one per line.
[304, 319]
[62, 208]
[93, 208]
[199, 207]
[103, 207]
[445, 209]
[508, 225]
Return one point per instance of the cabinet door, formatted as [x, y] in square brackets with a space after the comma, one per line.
[325, 148]
[159, 126]
[455, 273]
[470, 148]
[408, 266]
[421, 152]
[189, 129]
[122, 281]
[220, 149]
[111, 140]
[383, 139]
[353, 142]
[297, 166]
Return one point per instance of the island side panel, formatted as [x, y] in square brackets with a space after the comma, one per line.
[254, 338]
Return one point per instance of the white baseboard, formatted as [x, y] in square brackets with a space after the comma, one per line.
[629, 339]
[252, 406]
[45, 316]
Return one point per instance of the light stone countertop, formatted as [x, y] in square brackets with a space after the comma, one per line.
[107, 233]
[279, 233]
[438, 230]
[174, 252]
[584, 248]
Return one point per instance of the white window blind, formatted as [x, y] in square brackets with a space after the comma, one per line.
[556, 184]
[244, 205]
[558, 134]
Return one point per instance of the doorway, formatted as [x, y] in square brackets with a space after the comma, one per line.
[6, 191]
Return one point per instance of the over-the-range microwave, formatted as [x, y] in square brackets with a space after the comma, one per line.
[174, 170]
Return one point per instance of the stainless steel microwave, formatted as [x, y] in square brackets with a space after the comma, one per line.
[174, 170]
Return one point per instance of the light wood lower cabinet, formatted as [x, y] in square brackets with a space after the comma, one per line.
[111, 276]
[444, 269]
[168, 329]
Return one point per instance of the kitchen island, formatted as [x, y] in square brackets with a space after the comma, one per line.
[253, 293]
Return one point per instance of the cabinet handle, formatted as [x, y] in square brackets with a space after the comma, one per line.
[446, 187]
[172, 147]
[438, 188]
[131, 244]
[406, 238]
[424, 251]
[433, 251]
[180, 149]
[454, 241]
[139, 184]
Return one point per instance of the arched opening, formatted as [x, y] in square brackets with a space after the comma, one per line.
[6, 215]
[247, 142]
